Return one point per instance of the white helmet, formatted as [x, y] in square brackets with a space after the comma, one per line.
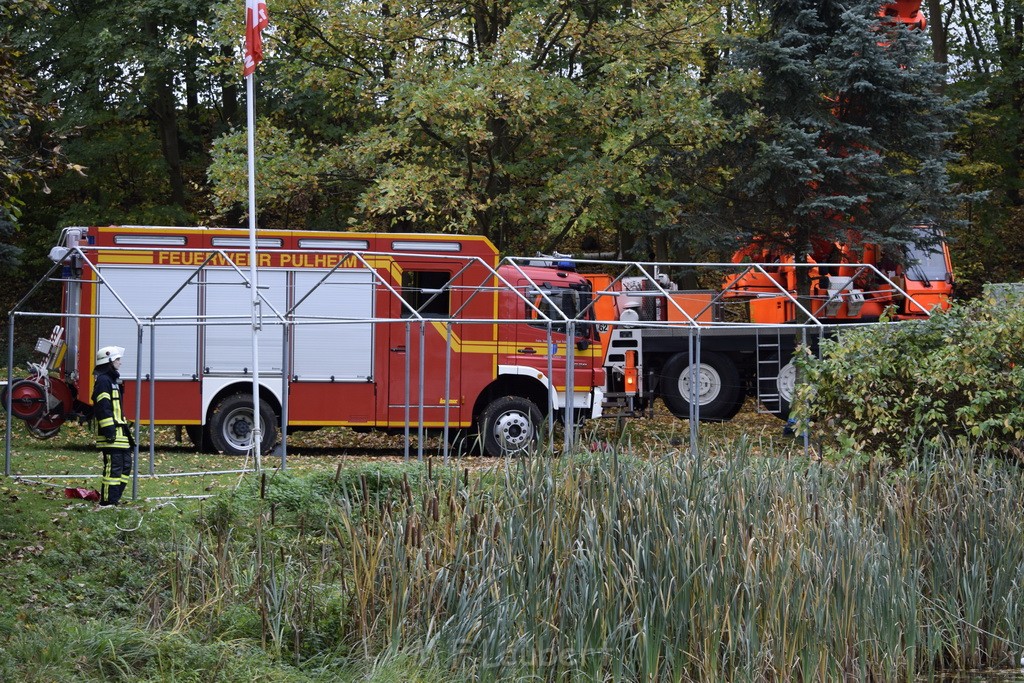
[109, 354]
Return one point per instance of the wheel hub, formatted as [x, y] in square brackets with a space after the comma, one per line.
[709, 384]
[239, 428]
[28, 399]
[513, 430]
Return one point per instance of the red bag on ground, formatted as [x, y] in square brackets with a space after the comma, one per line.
[85, 494]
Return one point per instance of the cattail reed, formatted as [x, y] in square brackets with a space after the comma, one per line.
[613, 566]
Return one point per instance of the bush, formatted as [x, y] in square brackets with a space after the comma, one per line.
[887, 389]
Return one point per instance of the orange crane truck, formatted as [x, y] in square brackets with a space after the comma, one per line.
[748, 329]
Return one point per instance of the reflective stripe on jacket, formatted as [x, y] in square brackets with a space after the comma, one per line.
[106, 403]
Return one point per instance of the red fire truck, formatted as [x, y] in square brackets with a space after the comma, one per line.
[361, 330]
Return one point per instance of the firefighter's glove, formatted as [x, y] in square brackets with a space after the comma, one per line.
[109, 433]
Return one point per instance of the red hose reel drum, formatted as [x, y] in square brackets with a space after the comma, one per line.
[41, 410]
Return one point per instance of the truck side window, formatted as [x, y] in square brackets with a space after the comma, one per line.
[428, 292]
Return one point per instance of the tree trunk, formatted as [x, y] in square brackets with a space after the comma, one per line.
[192, 83]
[1017, 51]
[164, 112]
[939, 32]
[229, 91]
[167, 120]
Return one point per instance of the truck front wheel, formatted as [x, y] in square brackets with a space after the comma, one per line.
[509, 426]
[719, 390]
[231, 425]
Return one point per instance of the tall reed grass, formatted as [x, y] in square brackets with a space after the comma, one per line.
[612, 566]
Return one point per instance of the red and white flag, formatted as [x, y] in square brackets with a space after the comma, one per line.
[256, 19]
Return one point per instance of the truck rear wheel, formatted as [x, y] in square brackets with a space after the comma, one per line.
[719, 390]
[231, 425]
[509, 426]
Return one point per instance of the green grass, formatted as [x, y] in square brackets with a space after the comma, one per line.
[628, 560]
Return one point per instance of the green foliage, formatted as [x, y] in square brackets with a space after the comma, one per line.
[890, 389]
[27, 155]
[122, 84]
[117, 650]
[635, 126]
[613, 565]
[530, 127]
[289, 171]
[984, 46]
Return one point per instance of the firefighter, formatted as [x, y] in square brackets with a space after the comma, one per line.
[113, 437]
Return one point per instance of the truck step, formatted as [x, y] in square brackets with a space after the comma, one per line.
[618, 404]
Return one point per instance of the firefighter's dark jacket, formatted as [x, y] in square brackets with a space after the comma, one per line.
[106, 404]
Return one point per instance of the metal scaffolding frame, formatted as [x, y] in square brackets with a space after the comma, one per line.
[695, 326]
[288, 320]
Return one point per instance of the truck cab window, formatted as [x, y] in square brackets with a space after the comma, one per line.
[556, 304]
[427, 292]
[926, 264]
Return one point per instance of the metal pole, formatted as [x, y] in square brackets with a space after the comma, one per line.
[695, 423]
[152, 399]
[806, 435]
[408, 372]
[552, 392]
[10, 394]
[423, 363]
[286, 375]
[692, 393]
[257, 433]
[447, 388]
[570, 384]
[138, 411]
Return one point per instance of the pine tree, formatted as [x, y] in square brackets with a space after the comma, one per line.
[852, 135]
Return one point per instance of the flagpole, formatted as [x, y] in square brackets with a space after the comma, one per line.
[257, 432]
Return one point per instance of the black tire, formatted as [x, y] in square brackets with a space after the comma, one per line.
[231, 424]
[199, 435]
[43, 434]
[509, 426]
[464, 442]
[720, 390]
[782, 386]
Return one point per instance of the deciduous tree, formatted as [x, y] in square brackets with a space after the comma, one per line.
[528, 122]
[27, 156]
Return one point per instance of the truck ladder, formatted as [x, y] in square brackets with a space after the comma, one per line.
[768, 347]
